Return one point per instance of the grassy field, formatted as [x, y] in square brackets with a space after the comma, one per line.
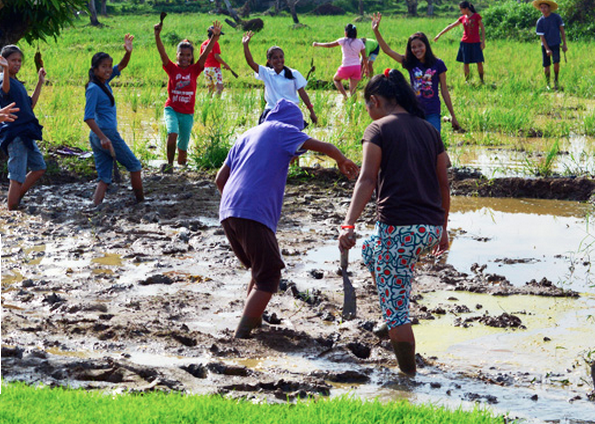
[513, 109]
[20, 403]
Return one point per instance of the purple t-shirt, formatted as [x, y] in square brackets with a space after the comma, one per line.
[258, 162]
[426, 84]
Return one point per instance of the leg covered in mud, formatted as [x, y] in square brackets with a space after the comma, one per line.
[256, 303]
[403, 343]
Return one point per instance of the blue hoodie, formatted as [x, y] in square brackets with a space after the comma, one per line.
[258, 162]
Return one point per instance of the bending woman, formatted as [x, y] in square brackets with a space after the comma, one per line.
[405, 162]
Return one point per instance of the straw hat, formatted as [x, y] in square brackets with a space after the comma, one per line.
[551, 3]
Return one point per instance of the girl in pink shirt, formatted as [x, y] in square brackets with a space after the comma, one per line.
[350, 69]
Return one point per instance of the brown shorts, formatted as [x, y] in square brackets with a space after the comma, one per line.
[256, 247]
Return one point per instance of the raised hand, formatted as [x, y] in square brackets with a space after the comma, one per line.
[157, 28]
[376, 17]
[247, 36]
[128, 42]
[216, 30]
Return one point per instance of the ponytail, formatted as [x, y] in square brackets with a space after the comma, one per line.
[351, 31]
[95, 62]
[466, 5]
[287, 72]
[393, 86]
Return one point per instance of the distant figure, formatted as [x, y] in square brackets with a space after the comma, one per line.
[252, 184]
[472, 43]
[181, 93]
[280, 81]
[405, 163]
[550, 29]
[426, 74]
[372, 50]
[101, 117]
[350, 69]
[17, 137]
[212, 71]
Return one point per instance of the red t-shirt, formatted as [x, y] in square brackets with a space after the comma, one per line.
[181, 87]
[211, 61]
[471, 28]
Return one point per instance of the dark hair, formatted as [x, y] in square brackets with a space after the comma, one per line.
[288, 74]
[466, 5]
[394, 87]
[350, 31]
[186, 44]
[410, 59]
[95, 62]
[9, 50]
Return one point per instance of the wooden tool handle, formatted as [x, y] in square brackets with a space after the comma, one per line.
[344, 259]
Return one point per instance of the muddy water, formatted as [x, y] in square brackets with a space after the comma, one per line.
[154, 287]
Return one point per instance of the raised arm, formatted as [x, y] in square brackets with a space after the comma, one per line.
[216, 31]
[327, 45]
[128, 48]
[448, 28]
[246, 41]
[385, 48]
[6, 80]
[37, 91]
[160, 47]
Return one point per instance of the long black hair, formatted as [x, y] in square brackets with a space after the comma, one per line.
[410, 59]
[466, 5]
[393, 86]
[95, 62]
[350, 31]
[287, 72]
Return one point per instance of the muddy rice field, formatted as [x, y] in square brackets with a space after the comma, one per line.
[140, 297]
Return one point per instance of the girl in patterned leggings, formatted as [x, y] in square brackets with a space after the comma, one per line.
[405, 162]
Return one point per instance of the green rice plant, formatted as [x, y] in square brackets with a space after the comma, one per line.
[589, 124]
[542, 166]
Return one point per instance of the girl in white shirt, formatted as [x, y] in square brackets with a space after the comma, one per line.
[280, 82]
[350, 69]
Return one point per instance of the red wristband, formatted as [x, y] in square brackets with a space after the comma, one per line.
[347, 227]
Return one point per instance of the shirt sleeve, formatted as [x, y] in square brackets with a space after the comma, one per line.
[560, 21]
[300, 81]
[91, 101]
[373, 135]
[115, 73]
[263, 74]
[440, 67]
[540, 30]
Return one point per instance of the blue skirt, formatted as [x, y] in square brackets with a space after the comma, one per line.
[470, 53]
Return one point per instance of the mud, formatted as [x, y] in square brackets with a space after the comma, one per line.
[142, 297]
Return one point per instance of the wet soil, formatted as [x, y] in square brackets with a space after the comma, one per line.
[139, 297]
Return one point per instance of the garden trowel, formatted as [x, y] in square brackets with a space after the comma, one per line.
[349, 306]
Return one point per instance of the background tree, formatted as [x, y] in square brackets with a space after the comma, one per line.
[35, 19]
[93, 13]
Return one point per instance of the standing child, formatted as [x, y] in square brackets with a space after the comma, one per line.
[18, 137]
[404, 161]
[101, 117]
[252, 183]
[472, 44]
[350, 69]
[550, 29]
[372, 50]
[213, 64]
[426, 73]
[280, 81]
[181, 93]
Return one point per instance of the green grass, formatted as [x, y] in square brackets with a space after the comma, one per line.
[20, 403]
[511, 106]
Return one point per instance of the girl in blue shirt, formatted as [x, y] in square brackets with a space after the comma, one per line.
[100, 116]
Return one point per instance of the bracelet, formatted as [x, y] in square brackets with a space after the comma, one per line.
[347, 227]
[310, 106]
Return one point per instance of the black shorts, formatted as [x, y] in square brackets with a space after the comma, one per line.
[256, 247]
[547, 60]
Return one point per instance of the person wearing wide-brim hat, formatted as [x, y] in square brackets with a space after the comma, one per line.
[550, 29]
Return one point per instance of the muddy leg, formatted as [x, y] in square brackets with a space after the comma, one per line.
[99, 193]
[352, 86]
[403, 342]
[340, 87]
[14, 195]
[137, 185]
[172, 138]
[182, 157]
[256, 303]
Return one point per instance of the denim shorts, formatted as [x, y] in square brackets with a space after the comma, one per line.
[20, 158]
[103, 158]
[179, 123]
[435, 120]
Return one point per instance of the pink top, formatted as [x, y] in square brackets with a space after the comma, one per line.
[351, 48]
[471, 28]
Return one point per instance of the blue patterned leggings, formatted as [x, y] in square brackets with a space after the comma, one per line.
[390, 254]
